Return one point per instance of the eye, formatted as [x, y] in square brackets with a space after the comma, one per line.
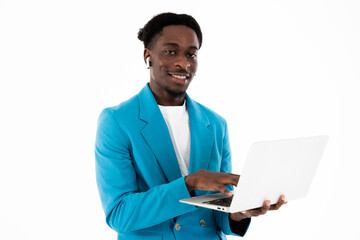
[170, 52]
[192, 55]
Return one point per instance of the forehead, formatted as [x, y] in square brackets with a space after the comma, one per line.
[179, 34]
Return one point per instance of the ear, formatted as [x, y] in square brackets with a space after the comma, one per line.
[147, 54]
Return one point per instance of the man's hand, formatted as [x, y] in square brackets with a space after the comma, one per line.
[211, 181]
[238, 216]
[216, 181]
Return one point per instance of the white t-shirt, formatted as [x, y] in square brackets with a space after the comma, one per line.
[177, 121]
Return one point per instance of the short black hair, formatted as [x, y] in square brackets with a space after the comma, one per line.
[152, 29]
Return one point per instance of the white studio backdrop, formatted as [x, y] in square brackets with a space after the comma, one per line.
[273, 69]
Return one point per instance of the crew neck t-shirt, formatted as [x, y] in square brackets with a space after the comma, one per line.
[177, 121]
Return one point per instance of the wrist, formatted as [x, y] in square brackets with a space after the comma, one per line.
[189, 182]
[237, 217]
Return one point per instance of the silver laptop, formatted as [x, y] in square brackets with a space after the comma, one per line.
[272, 168]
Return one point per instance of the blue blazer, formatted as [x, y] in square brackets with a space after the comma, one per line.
[138, 175]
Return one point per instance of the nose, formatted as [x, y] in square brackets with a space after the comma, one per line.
[182, 62]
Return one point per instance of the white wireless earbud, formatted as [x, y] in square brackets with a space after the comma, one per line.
[148, 62]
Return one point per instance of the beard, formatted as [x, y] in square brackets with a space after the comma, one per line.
[174, 94]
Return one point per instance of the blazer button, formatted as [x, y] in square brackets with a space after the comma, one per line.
[177, 226]
[202, 222]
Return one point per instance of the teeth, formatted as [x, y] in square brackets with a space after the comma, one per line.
[178, 76]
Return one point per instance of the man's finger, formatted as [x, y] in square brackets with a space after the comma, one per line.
[280, 202]
[234, 175]
[229, 179]
[261, 210]
[224, 191]
[228, 182]
[265, 207]
[247, 213]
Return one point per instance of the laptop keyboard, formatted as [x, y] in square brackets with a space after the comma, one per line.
[225, 202]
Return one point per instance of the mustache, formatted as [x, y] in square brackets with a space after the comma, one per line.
[181, 71]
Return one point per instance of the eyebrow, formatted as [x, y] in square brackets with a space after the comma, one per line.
[177, 45]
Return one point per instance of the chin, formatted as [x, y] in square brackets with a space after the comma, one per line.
[177, 94]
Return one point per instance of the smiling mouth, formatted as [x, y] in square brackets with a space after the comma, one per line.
[179, 78]
[182, 77]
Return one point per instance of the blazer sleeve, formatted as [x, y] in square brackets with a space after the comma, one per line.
[222, 219]
[126, 208]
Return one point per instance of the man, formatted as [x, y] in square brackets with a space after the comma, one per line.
[161, 146]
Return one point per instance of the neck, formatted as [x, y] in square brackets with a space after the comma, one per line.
[168, 98]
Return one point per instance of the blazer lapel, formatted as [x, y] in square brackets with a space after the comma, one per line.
[156, 135]
[202, 139]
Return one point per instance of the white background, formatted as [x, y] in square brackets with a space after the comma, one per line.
[273, 69]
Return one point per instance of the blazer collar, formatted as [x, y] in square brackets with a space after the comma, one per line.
[156, 134]
[148, 105]
[202, 137]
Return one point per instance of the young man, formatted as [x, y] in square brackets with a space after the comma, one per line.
[161, 146]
